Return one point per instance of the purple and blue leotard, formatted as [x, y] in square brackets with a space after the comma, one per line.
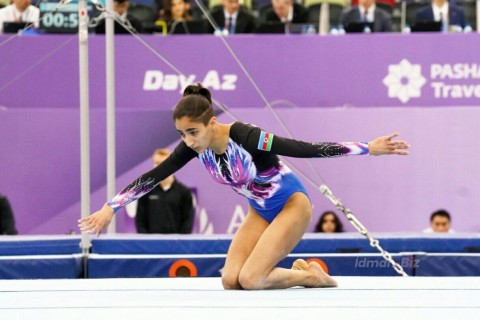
[250, 166]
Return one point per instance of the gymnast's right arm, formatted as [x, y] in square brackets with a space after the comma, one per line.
[99, 220]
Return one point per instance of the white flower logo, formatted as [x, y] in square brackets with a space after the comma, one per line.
[404, 80]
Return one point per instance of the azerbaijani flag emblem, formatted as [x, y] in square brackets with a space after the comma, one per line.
[265, 141]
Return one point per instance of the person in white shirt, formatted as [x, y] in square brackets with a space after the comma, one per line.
[19, 11]
[440, 221]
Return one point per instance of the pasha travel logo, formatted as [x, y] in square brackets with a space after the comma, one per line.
[448, 81]
[404, 81]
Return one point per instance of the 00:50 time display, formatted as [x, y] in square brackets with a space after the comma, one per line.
[60, 20]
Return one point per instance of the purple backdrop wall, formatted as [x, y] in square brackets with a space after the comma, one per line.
[301, 76]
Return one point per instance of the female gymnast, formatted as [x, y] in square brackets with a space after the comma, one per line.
[244, 157]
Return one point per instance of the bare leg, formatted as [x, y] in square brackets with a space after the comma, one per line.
[276, 242]
[241, 247]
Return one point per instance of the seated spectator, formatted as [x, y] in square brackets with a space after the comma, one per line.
[176, 16]
[7, 220]
[286, 11]
[19, 11]
[175, 10]
[329, 223]
[367, 11]
[232, 18]
[442, 11]
[120, 7]
[440, 221]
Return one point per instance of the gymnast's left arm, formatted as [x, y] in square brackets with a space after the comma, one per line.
[294, 148]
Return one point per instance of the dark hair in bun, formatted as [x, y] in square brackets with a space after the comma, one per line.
[195, 104]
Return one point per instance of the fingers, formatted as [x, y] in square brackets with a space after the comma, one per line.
[86, 227]
[400, 153]
[399, 148]
[398, 145]
[393, 135]
[89, 225]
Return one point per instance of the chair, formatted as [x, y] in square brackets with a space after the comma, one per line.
[411, 11]
[391, 3]
[385, 6]
[142, 12]
[257, 4]
[4, 3]
[245, 3]
[196, 12]
[342, 3]
[262, 12]
[470, 9]
[335, 11]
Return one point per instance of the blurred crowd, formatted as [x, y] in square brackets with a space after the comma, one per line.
[230, 17]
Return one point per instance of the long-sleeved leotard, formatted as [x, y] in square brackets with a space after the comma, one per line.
[250, 165]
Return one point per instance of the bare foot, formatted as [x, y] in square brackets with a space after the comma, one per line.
[323, 280]
[300, 264]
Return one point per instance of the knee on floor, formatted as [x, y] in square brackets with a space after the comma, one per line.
[251, 281]
[230, 282]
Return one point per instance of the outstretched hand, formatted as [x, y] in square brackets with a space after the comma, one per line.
[386, 145]
[96, 222]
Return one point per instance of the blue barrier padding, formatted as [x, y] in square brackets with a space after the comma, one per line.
[449, 265]
[347, 254]
[316, 243]
[161, 244]
[39, 245]
[389, 244]
[138, 267]
[41, 267]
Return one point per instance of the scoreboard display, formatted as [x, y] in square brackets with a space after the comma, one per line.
[64, 19]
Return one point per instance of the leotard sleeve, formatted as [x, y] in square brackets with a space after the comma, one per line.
[264, 141]
[145, 183]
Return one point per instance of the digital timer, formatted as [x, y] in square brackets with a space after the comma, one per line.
[59, 19]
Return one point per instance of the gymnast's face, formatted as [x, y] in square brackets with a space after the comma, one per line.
[195, 134]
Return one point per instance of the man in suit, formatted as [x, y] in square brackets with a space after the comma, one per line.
[168, 208]
[286, 11]
[440, 10]
[232, 18]
[121, 9]
[367, 11]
